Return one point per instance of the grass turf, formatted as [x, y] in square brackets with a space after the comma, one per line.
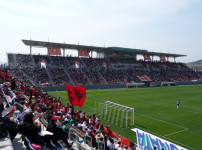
[155, 111]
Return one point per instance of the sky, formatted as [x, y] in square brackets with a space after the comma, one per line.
[169, 26]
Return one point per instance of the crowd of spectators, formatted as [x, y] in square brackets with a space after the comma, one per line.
[73, 60]
[18, 74]
[84, 71]
[23, 60]
[93, 75]
[78, 76]
[36, 107]
[37, 74]
[59, 61]
[59, 76]
[38, 58]
[200, 73]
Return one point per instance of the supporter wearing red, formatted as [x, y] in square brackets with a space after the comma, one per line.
[32, 91]
[67, 108]
[87, 120]
[84, 116]
[108, 131]
[93, 120]
[77, 114]
[97, 124]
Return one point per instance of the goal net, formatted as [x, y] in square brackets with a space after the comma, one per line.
[116, 113]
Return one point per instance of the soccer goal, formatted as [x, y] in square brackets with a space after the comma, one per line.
[116, 113]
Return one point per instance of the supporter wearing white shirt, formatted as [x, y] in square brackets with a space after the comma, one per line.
[70, 110]
[96, 120]
[90, 121]
[118, 145]
[63, 109]
[80, 126]
[110, 143]
[84, 126]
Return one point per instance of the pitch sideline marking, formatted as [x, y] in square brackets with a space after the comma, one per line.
[175, 132]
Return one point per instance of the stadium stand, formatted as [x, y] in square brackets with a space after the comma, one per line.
[84, 71]
[73, 127]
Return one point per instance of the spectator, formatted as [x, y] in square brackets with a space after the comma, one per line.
[58, 133]
[29, 129]
[8, 124]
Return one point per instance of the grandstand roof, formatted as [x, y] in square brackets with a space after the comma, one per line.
[118, 50]
[126, 50]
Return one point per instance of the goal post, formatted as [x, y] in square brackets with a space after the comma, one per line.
[116, 113]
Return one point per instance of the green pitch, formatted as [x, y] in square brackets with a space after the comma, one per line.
[155, 111]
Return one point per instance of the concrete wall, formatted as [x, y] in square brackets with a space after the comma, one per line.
[187, 83]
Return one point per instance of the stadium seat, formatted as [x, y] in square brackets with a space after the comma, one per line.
[56, 145]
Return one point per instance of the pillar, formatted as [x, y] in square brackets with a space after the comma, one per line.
[30, 49]
[64, 52]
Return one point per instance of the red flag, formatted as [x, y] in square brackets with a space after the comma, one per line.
[71, 95]
[162, 58]
[82, 95]
[54, 51]
[5, 73]
[147, 57]
[76, 95]
[83, 53]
